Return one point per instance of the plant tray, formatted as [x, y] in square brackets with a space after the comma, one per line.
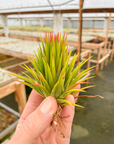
[4, 57]
[11, 62]
[8, 119]
[8, 40]
[18, 69]
[5, 78]
[25, 47]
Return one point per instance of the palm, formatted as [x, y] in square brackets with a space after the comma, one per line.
[52, 134]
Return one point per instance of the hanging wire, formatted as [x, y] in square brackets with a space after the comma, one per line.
[51, 5]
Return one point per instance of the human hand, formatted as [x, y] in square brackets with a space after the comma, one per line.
[35, 124]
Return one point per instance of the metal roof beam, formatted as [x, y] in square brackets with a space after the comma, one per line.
[92, 10]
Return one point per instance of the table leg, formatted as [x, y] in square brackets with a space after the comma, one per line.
[88, 63]
[104, 49]
[108, 51]
[20, 95]
[98, 58]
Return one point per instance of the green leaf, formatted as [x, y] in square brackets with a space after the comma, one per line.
[73, 75]
[46, 85]
[46, 72]
[59, 66]
[70, 92]
[32, 86]
[53, 92]
[43, 45]
[86, 78]
[65, 66]
[79, 77]
[51, 73]
[87, 87]
[43, 89]
[23, 78]
[66, 102]
[51, 80]
[70, 68]
[53, 70]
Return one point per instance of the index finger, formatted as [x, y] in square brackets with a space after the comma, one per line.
[33, 102]
[66, 115]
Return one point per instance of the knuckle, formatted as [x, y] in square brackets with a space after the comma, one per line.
[18, 126]
[29, 125]
[33, 103]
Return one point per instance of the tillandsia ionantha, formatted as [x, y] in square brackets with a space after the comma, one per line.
[52, 73]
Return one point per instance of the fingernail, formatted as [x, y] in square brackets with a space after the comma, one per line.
[46, 106]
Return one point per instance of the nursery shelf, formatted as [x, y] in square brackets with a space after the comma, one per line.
[8, 120]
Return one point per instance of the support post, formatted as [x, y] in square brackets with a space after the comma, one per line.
[106, 40]
[41, 22]
[93, 24]
[80, 31]
[69, 23]
[21, 22]
[4, 20]
[58, 23]
[105, 23]
[26, 23]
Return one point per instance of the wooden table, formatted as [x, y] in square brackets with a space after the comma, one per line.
[73, 40]
[101, 35]
[6, 40]
[10, 49]
[85, 54]
[94, 45]
[26, 35]
[8, 86]
[20, 49]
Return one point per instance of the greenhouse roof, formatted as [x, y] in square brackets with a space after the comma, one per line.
[49, 6]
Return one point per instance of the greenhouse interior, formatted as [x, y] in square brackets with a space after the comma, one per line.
[56, 72]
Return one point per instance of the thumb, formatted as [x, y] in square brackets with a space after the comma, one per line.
[37, 122]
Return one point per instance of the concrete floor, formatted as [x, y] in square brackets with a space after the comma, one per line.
[95, 123]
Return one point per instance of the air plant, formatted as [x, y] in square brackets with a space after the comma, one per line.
[52, 73]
